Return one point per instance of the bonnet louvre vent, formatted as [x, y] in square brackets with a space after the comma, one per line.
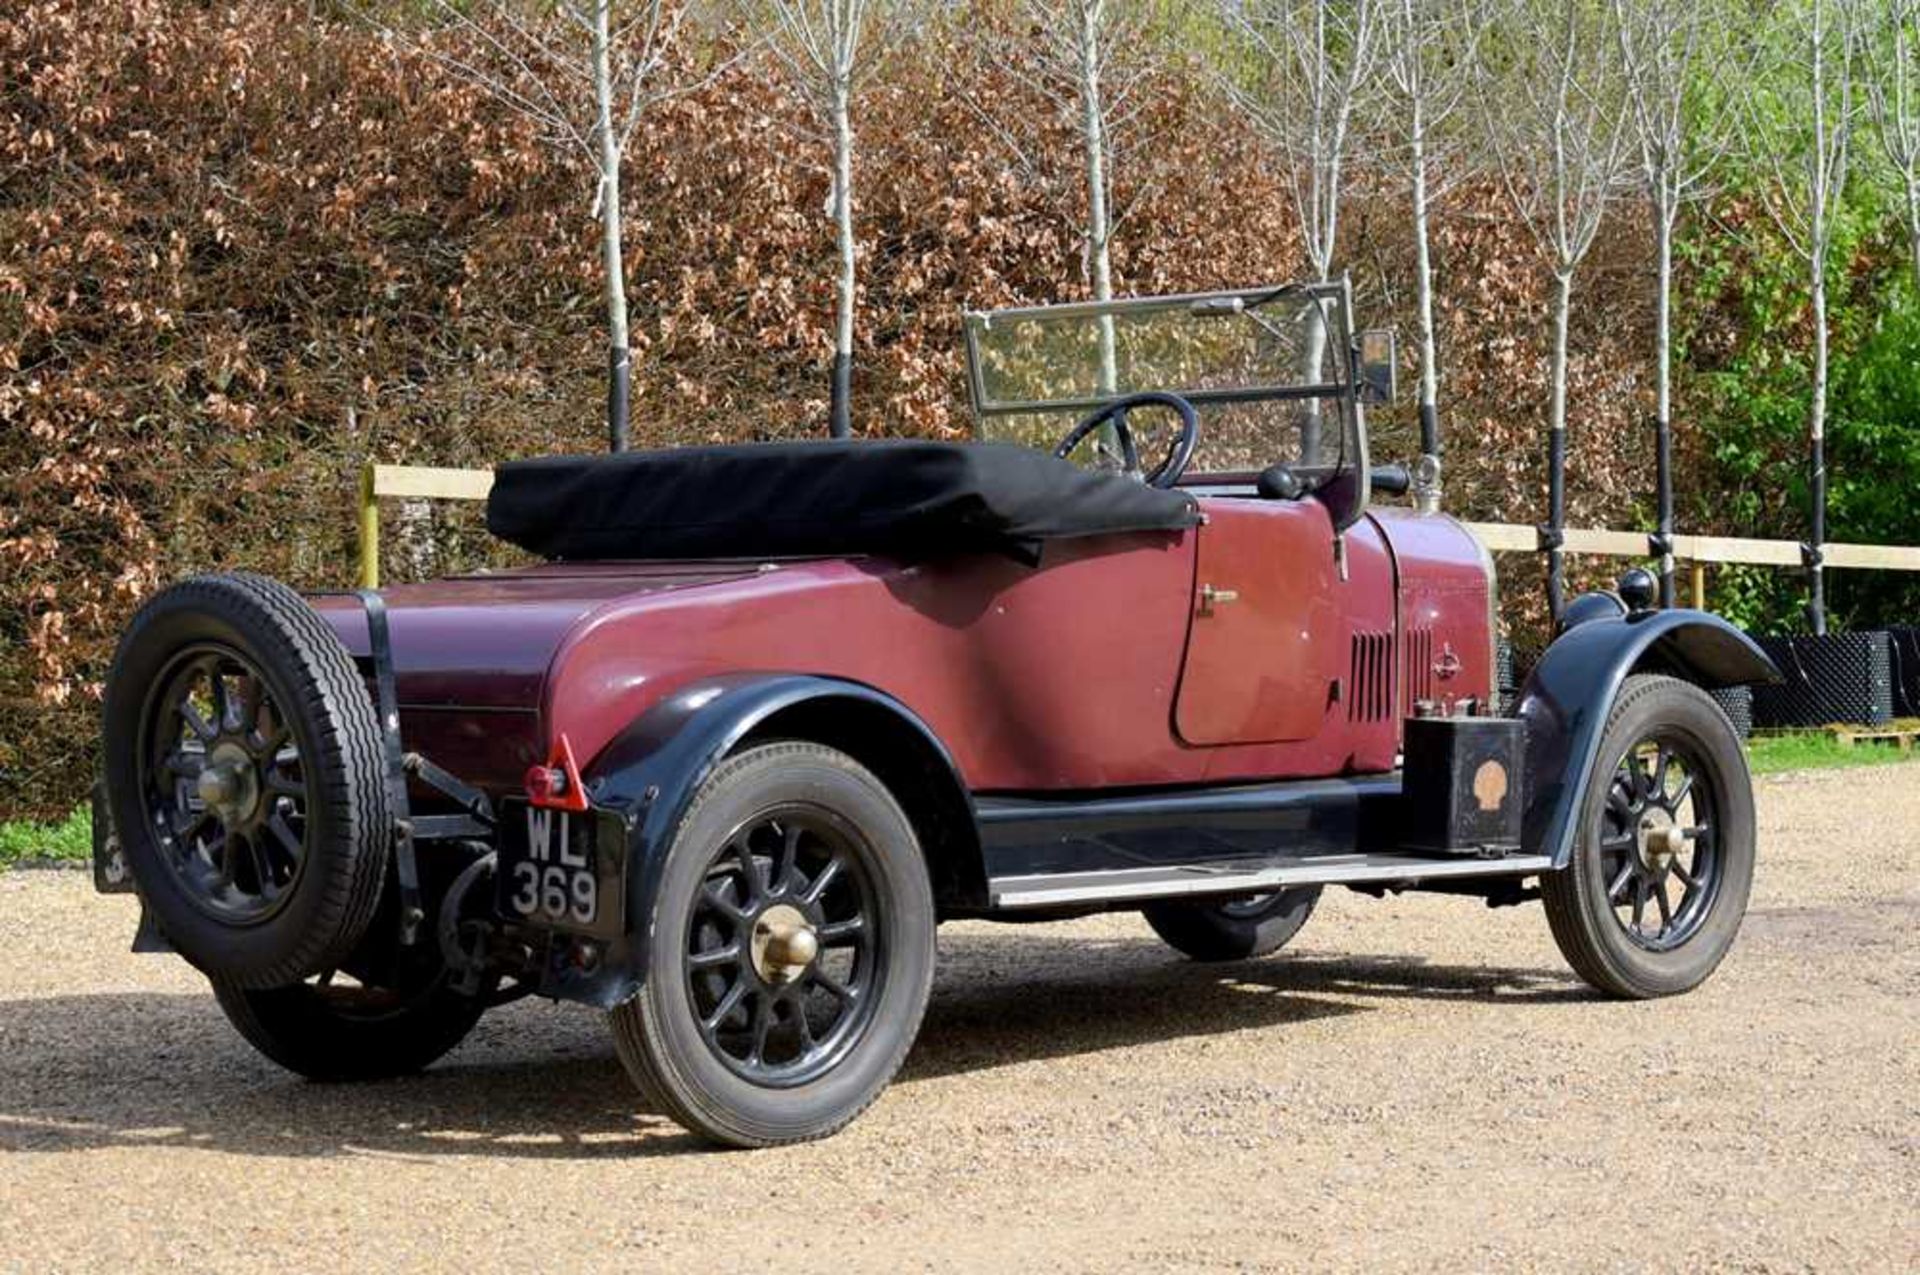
[1370, 676]
[1417, 676]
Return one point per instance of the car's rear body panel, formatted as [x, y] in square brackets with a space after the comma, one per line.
[471, 653]
[1060, 676]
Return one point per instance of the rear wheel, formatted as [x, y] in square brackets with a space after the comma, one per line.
[1665, 854]
[790, 952]
[1238, 930]
[332, 1027]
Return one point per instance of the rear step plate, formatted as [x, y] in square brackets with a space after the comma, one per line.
[1056, 889]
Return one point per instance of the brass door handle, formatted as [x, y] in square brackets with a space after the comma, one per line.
[1211, 597]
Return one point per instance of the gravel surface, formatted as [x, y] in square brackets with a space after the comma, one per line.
[1420, 1085]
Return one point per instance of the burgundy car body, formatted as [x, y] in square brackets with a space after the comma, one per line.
[1111, 664]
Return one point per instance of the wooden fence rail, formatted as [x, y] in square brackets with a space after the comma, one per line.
[415, 482]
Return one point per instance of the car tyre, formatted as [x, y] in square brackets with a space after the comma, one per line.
[789, 954]
[327, 1031]
[1640, 911]
[1239, 930]
[236, 672]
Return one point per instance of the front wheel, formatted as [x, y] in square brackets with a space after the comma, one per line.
[790, 952]
[1664, 859]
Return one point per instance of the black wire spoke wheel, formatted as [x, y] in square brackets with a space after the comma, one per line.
[790, 953]
[1657, 843]
[1663, 861]
[784, 956]
[224, 786]
[245, 773]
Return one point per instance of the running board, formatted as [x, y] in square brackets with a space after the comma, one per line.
[1065, 889]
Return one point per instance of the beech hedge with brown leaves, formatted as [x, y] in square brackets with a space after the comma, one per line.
[242, 252]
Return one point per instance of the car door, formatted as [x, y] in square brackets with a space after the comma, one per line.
[1264, 643]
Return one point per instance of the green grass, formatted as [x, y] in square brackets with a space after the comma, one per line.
[1816, 751]
[70, 840]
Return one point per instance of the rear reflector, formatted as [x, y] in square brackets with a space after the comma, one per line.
[556, 785]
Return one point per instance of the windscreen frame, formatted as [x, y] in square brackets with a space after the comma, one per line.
[1346, 500]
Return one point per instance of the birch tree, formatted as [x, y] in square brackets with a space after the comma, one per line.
[1428, 48]
[586, 72]
[1312, 61]
[1089, 60]
[1800, 114]
[828, 48]
[1671, 58]
[1893, 94]
[1077, 39]
[1551, 103]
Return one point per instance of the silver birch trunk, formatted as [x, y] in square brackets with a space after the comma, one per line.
[840, 423]
[1557, 438]
[1913, 225]
[1663, 223]
[1562, 309]
[1817, 413]
[1819, 194]
[619, 353]
[1817, 451]
[1423, 289]
[1313, 356]
[1099, 228]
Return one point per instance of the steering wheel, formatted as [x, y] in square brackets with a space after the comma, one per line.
[1168, 471]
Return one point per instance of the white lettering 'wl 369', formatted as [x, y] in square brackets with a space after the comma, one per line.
[540, 841]
[540, 833]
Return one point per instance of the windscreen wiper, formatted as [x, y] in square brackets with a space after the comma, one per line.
[1249, 306]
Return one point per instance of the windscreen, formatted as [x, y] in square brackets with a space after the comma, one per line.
[1265, 370]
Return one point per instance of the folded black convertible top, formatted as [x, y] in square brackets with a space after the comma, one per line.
[897, 498]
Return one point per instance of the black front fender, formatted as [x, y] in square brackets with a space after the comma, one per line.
[1572, 689]
[650, 773]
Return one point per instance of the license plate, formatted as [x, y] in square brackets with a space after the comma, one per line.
[552, 871]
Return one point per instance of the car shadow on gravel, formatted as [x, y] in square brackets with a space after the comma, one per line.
[535, 1081]
[1019, 998]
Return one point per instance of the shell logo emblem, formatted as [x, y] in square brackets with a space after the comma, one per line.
[1490, 785]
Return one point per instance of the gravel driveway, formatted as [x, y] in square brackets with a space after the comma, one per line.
[1420, 1085]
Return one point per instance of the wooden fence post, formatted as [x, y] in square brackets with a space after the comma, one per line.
[369, 531]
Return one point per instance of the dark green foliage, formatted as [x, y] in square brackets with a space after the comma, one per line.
[1744, 377]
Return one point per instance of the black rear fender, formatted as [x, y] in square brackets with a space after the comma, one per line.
[1572, 688]
[651, 772]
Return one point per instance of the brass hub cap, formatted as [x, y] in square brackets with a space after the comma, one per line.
[784, 944]
[787, 945]
[228, 784]
[1659, 840]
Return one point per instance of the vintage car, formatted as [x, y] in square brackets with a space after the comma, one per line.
[766, 714]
